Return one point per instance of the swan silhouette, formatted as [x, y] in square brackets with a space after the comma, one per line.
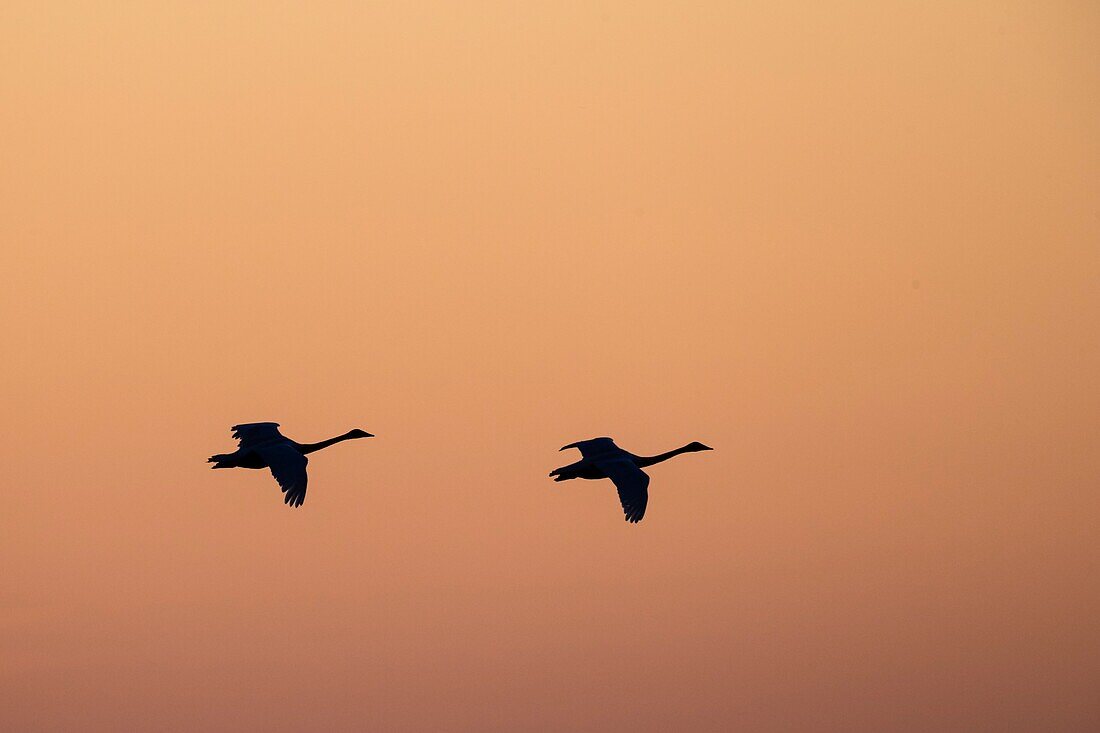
[261, 445]
[601, 458]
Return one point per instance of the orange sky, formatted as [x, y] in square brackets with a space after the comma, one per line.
[852, 245]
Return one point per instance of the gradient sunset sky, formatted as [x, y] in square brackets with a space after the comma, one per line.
[854, 246]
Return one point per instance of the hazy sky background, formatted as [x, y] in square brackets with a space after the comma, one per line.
[855, 246]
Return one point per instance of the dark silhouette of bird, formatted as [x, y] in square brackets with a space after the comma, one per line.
[261, 445]
[601, 458]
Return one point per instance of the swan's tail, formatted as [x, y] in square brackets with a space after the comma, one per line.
[219, 461]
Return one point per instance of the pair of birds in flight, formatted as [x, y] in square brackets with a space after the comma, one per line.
[261, 445]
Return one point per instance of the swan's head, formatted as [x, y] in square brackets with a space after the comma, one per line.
[357, 433]
[697, 446]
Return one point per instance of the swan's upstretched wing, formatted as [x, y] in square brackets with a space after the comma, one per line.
[632, 483]
[288, 466]
[249, 435]
[594, 447]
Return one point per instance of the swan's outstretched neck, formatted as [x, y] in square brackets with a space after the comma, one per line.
[311, 447]
[643, 461]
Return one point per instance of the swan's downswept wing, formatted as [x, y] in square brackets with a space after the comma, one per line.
[288, 466]
[632, 483]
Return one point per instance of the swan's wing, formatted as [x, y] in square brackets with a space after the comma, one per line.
[632, 483]
[288, 466]
[594, 447]
[252, 434]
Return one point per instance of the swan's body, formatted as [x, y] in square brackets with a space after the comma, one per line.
[261, 445]
[601, 458]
